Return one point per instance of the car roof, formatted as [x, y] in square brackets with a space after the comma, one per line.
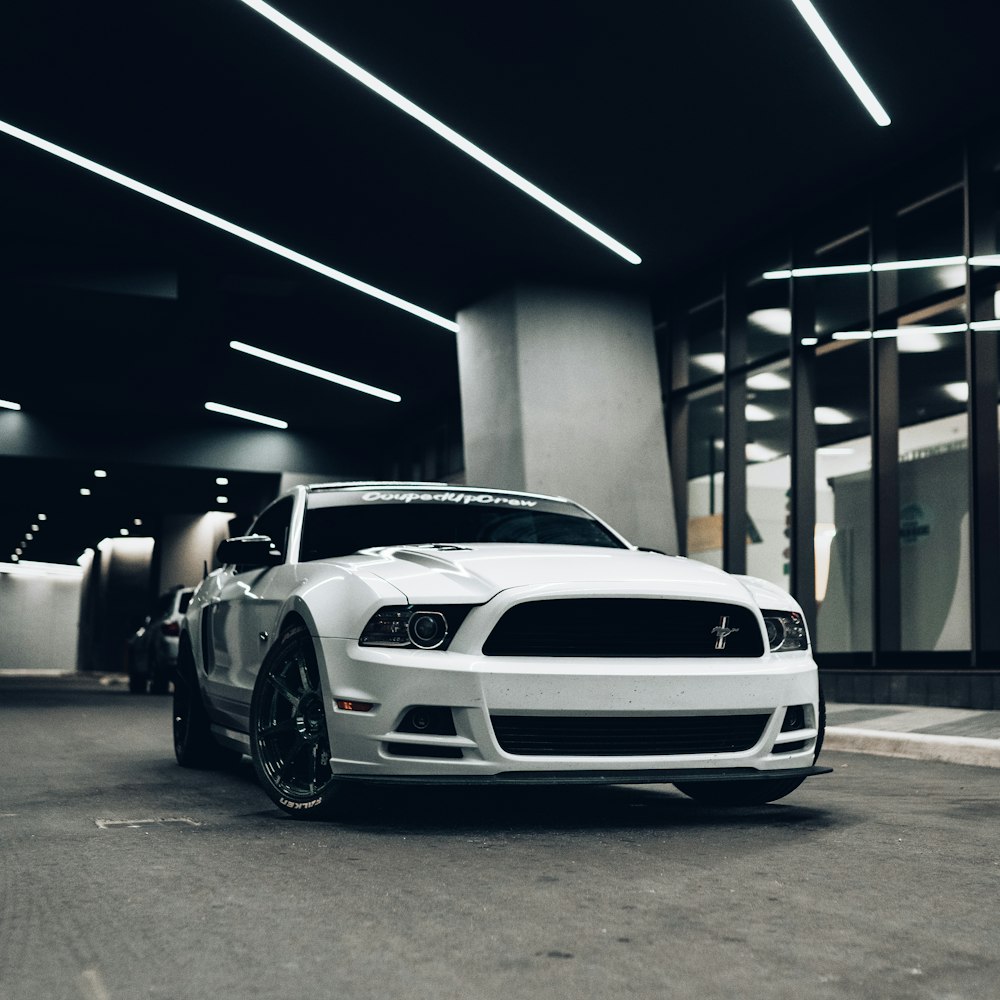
[394, 484]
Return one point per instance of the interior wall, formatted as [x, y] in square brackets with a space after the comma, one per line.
[114, 600]
[40, 615]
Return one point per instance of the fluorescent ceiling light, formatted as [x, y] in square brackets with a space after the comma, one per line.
[985, 260]
[885, 265]
[911, 265]
[840, 60]
[222, 499]
[43, 517]
[778, 321]
[945, 328]
[917, 341]
[123, 531]
[958, 391]
[439, 128]
[6, 404]
[757, 414]
[257, 418]
[311, 370]
[985, 324]
[760, 453]
[228, 227]
[84, 492]
[767, 381]
[100, 474]
[221, 481]
[714, 361]
[827, 416]
[832, 451]
[809, 341]
[137, 521]
[852, 335]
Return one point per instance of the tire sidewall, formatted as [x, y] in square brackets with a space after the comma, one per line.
[331, 795]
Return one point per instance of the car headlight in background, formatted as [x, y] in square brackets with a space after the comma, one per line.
[786, 630]
[407, 627]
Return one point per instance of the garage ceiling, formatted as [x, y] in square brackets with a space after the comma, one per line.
[682, 128]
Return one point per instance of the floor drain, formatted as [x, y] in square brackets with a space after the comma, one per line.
[136, 824]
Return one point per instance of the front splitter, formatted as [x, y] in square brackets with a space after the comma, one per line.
[652, 777]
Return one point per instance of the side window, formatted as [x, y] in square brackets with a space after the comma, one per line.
[275, 523]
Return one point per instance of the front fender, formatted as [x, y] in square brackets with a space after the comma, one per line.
[338, 604]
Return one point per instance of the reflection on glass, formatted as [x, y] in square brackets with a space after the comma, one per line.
[705, 359]
[768, 413]
[705, 476]
[768, 318]
[843, 530]
[934, 497]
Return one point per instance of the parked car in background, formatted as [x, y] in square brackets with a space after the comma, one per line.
[437, 634]
[152, 651]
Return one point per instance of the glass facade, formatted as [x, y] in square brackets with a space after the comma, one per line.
[833, 415]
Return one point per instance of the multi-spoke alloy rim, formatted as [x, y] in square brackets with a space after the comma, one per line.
[292, 743]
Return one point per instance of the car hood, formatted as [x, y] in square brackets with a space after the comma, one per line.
[476, 573]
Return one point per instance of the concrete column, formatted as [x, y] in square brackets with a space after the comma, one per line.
[561, 395]
[187, 543]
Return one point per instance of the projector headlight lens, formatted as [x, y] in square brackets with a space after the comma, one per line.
[407, 627]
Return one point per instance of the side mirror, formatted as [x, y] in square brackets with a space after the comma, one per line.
[249, 551]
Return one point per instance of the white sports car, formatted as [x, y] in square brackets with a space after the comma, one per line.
[414, 632]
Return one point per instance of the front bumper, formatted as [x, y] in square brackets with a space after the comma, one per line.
[474, 687]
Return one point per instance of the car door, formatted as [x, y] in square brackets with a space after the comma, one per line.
[246, 606]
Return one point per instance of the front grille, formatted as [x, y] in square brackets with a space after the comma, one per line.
[617, 626]
[599, 736]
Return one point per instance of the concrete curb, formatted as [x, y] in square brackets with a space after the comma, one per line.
[916, 746]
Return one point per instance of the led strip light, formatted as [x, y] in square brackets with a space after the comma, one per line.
[840, 60]
[228, 227]
[300, 366]
[386, 92]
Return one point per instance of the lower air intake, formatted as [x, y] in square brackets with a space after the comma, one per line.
[659, 736]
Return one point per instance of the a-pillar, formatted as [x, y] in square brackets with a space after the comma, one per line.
[561, 395]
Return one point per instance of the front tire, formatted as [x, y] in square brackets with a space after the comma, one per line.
[288, 735]
[751, 793]
[738, 793]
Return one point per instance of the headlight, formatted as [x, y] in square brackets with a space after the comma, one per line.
[786, 630]
[408, 627]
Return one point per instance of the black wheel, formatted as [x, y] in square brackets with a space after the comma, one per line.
[194, 745]
[288, 736]
[751, 793]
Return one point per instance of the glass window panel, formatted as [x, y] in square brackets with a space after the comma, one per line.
[934, 495]
[705, 358]
[843, 531]
[768, 413]
[768, 318]
[930, 229]
[705, 476]
[841, 300]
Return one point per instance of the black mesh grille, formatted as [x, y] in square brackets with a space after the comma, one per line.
[614, 626]
[590, 736]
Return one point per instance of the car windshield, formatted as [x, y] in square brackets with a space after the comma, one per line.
[340, 525]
